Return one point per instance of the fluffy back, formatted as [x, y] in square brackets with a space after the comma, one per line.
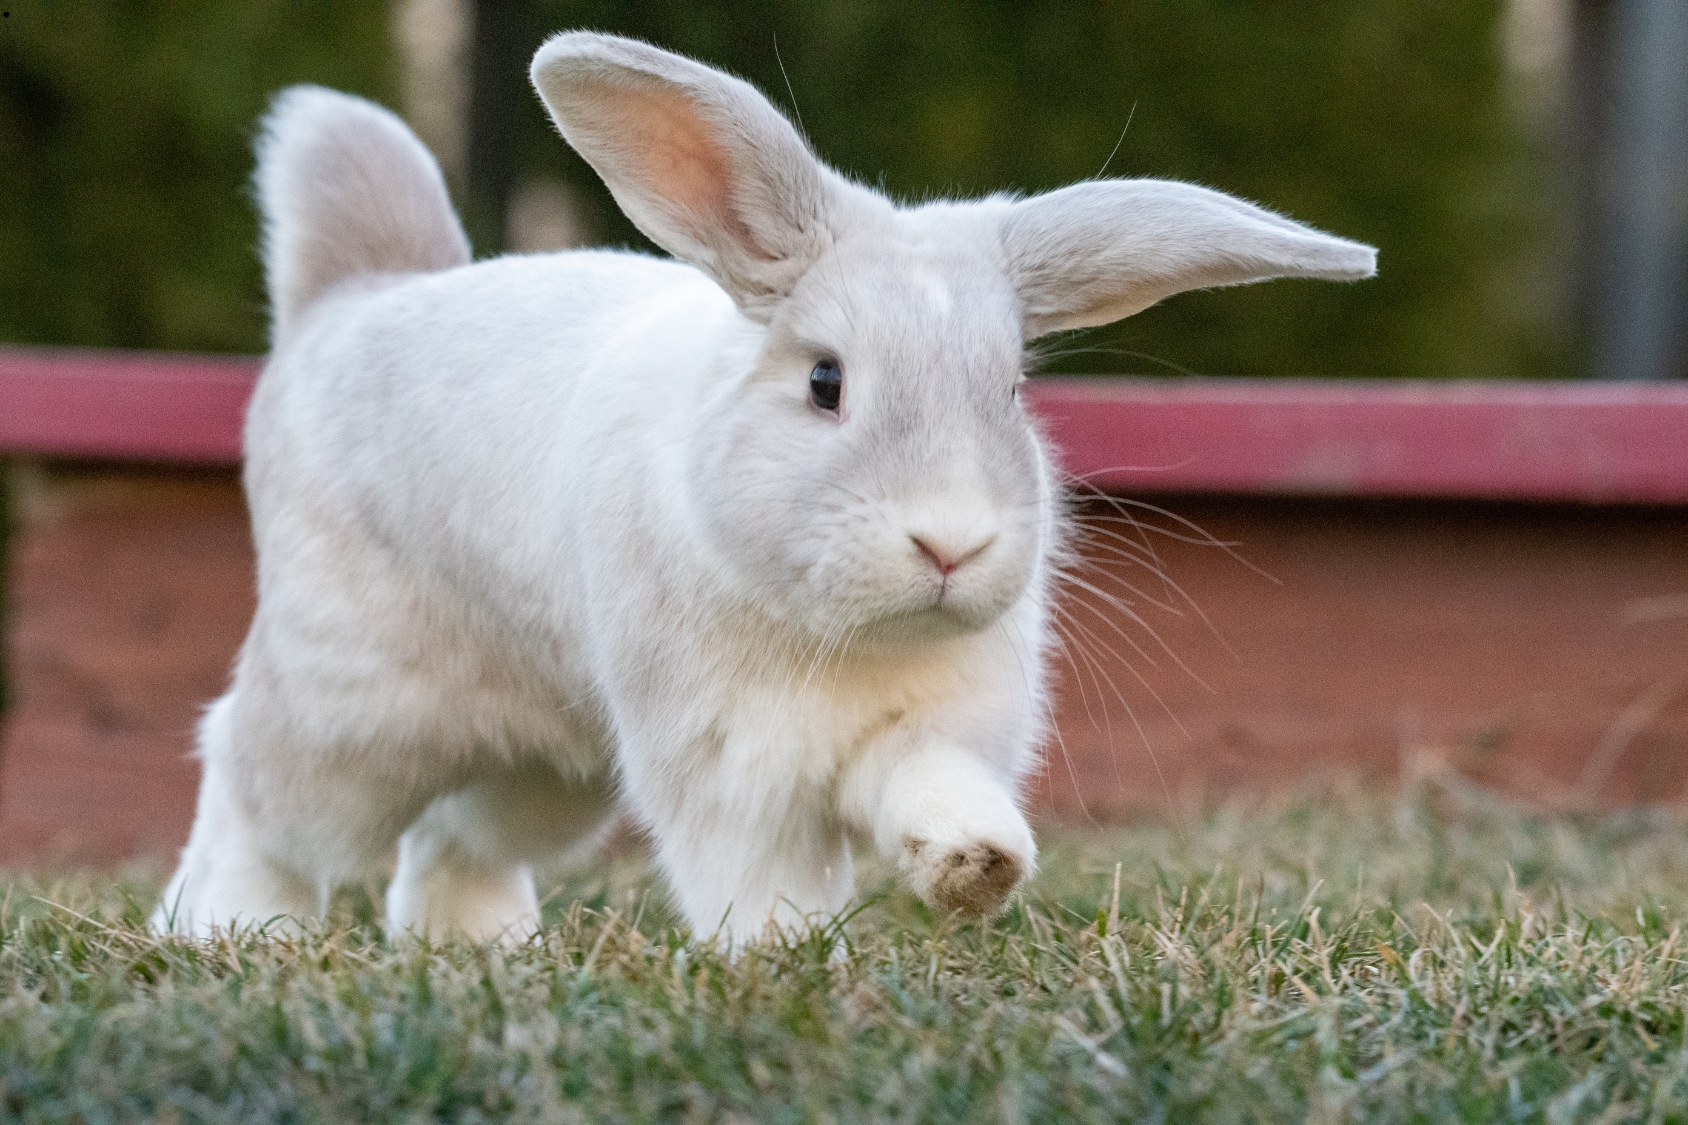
[345, 189]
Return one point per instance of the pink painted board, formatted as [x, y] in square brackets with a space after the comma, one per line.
[1592, 442]
[142, 406]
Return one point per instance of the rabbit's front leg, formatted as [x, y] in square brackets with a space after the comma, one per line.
[744, 848]
[946, 818]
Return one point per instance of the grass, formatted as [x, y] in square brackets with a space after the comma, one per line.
[1434, 957]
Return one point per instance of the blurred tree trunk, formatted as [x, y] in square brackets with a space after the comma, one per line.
[1631, 82]
[498, 94]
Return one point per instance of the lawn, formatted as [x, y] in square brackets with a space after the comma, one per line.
[1439, 956]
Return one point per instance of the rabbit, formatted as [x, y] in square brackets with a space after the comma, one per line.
[757, 542]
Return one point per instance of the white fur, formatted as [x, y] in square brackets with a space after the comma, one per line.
[540, 527]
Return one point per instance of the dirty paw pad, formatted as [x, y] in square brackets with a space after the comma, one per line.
[974, 879]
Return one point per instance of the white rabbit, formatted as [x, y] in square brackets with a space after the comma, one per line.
[760, 537]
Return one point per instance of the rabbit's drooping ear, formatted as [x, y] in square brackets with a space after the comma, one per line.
[699, 160]
[1096, 252]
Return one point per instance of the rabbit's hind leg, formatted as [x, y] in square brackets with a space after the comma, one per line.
[282, 820]
[466, 864]
[230, 874]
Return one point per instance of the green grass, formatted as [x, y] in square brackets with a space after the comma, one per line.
[1440, 957]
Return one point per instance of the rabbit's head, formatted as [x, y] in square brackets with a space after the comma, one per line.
[862, 464]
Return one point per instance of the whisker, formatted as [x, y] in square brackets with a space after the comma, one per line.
[1042, 356]
[1066, 755]
[1125, 609]
[1078, 676]
[1082, 562]
[1136, 525]
[1203, 537]
[1137, 675]
[1097, 677]
[1128, 638]
[843, 650]
[1168, 533]
[1142, 734]
[1201, 615]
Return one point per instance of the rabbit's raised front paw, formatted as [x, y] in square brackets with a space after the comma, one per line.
[971, 878]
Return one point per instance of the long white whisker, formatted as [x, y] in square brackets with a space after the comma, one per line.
[1174, 587]
[1137, 675]
[1136, 526]
[1103, 572]
[1126, 637]
[1126, 610]
[1203, 536]
[1097, 677]
[1142, 734]
[1066, 756]
[1078, 677]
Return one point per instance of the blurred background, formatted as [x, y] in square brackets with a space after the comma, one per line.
[1519, 162]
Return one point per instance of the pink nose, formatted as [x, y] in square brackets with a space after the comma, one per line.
[947, 558]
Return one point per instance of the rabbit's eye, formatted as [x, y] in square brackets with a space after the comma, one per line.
[826, 384]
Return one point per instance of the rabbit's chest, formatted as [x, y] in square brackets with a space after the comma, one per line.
[809, 727]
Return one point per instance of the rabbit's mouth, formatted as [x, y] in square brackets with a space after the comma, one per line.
[917, 627]
[949, 610]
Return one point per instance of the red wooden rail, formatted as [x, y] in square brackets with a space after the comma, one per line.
[1593, 442]
[141, 406]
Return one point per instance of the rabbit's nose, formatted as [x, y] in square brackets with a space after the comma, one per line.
[947, 557]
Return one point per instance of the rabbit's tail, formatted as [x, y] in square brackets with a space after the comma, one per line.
[345, 188]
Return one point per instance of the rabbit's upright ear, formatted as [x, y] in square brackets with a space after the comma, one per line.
[699, 160]
[1096, 252]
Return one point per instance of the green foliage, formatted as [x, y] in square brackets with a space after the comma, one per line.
[124, 132]
[1435, 958]
[125, 150]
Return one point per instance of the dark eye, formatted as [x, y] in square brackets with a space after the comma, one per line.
[826, 384]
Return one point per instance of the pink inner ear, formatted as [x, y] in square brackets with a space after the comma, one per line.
[673, 152]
